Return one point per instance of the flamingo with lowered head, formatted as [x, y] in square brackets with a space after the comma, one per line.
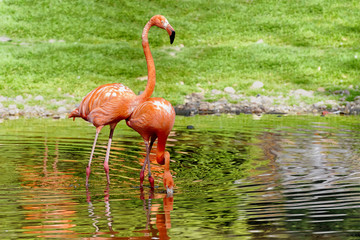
[153, 120]
[110, 103]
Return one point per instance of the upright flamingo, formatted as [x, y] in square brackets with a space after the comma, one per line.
[111, 103]
[154, 119]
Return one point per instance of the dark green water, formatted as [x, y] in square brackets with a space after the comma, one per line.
[236, 177]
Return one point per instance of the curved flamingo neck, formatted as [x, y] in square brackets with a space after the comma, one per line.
[167, 162]
[168, 179]
[150, 64]
[160, 151]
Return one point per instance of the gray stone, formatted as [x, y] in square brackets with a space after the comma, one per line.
[27, 109]
[39, 98]
[266, 101]
[216, 92]
[319, 105]
[221, 101]
[62, 110]
[229, 90]
[197, 96]
[211, 107]
[19, 98]
[28, 96]
[347, 108]
[341, 92]
[257, 85]
[302, 93]
[13, 110]
[331, 102]
[357, 100]
[12, 106]
[60, 103]
[5, 39]
[256, 100]
[204, 106]
[46, 113]
[3, 112]
[355, 110]
[235, 97]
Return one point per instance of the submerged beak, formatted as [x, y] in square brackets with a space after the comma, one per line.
[169, 192]
[171, 33]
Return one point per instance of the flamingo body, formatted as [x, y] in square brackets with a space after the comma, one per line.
[153, 118]
[107, 104]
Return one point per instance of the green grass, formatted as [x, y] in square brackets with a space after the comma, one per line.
[307, 44]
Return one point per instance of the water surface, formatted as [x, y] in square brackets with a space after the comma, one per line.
[236, 178]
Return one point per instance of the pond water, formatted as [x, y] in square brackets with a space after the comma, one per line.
[237, 177]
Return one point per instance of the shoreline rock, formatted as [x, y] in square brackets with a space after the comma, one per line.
[195, 103]
[19, 106]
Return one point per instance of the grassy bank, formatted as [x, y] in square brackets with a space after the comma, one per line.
[70, 47]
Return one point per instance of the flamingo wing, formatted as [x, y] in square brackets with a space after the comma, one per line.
[153, 117]
[107, 103]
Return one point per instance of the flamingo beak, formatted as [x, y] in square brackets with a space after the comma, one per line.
[169, 191]
[172, 37]
[171, 33]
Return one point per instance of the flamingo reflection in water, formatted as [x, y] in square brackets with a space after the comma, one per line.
[153, 229]
[91, 210]
[46, 216]
[163, 221]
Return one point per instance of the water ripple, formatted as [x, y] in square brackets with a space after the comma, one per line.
[238, 178]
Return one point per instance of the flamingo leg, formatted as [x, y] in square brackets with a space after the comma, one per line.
[151, 179]
[144, 165]
[147, 162]
[91, 155]
[106, 162]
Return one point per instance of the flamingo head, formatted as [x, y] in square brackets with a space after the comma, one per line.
[161, 22]
[168, 183]
[168, 179]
